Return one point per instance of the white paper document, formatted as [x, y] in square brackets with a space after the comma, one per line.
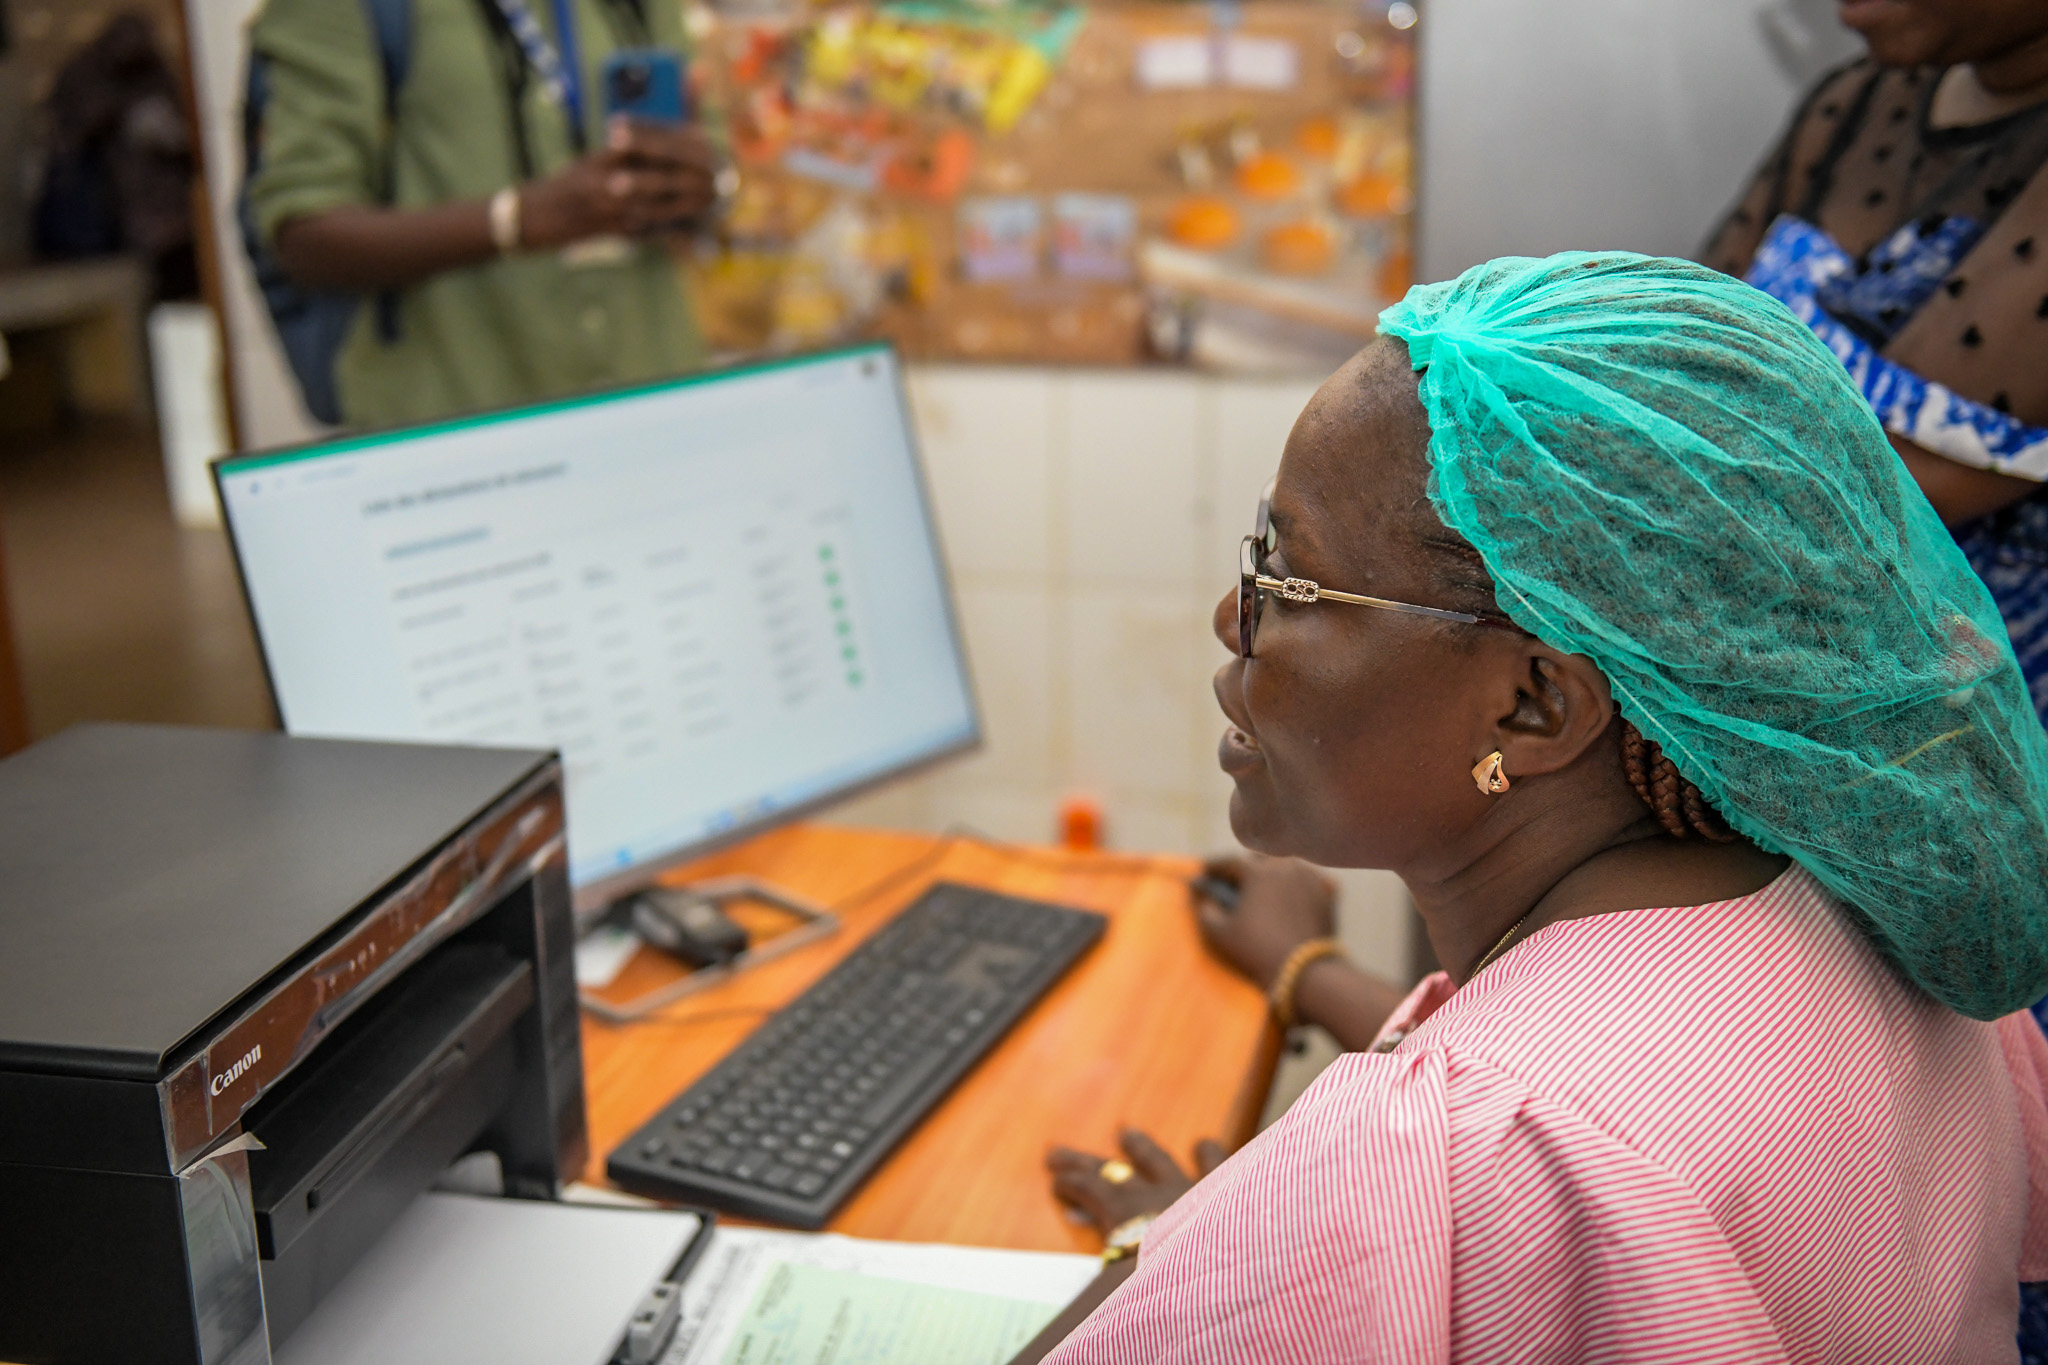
[1194, 61]
[1185, 61]
[760, 1297]
[508, 1281]
[1261, 63]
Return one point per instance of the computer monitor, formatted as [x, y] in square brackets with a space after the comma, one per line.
[722, 598]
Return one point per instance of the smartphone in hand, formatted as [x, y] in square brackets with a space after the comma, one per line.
[646, 84]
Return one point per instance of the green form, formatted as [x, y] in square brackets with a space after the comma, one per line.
[806, 1316]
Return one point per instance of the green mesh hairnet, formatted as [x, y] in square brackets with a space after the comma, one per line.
[1666, 472]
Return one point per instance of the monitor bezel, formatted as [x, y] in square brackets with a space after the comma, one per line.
[603, 891]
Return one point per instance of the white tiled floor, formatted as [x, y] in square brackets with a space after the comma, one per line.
[1091, 520]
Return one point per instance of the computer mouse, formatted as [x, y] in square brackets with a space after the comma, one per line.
[687, 926]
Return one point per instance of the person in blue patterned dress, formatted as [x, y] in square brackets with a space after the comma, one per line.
[1904, 218]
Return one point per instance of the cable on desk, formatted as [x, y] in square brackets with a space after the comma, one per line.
[898, 875]
[1093, 862]
[703, 1016]
[1105, 864]
[888, 880]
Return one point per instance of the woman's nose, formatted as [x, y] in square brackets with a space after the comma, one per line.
[1224, 621]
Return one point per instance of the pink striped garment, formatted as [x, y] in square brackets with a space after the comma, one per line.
[1712, 1133]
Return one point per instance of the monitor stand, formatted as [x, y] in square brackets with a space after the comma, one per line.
[815, 922]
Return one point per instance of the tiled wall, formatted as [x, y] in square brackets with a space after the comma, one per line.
[1091, 519]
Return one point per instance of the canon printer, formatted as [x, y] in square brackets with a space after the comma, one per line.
[256, 993]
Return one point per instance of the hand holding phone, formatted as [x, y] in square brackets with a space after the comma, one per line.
[646, 180]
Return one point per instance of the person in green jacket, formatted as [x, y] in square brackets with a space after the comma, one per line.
[517, 230]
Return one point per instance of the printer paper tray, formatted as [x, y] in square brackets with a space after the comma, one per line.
[509, 1281]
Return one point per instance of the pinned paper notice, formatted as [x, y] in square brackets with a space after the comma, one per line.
[1196, 61]
[1178, 63]
[1000, 237]
[1092, 235]
[1261, 63]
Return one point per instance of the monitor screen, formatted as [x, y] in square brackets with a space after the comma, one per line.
[721, 598]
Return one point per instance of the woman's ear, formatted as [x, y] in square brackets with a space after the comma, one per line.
[1562, 705]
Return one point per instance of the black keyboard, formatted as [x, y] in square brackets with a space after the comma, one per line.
[793, 1119]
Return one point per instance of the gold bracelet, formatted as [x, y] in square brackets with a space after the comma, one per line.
[1304, 955]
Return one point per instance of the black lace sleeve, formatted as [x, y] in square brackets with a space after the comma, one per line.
[1778, 183]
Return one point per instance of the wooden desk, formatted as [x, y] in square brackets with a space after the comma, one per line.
[1148, 1029]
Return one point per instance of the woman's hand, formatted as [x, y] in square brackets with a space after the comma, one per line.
[647, 178]
[1157, 1179]
[1283, 903]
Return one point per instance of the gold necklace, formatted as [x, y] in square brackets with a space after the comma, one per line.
[1502, 942]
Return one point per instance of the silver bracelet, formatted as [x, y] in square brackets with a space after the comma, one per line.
[505, 234]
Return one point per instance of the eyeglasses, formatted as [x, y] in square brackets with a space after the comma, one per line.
[1253, 585]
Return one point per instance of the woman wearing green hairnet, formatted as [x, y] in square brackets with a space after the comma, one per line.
[1593, 602]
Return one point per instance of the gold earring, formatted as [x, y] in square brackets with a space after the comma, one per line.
[1488, 775]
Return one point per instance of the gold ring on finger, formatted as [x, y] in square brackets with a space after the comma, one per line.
[1115, 1172]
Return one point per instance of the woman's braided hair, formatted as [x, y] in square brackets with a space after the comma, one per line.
[1678, 805]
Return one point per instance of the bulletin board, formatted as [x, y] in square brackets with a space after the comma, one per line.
[1049, 182]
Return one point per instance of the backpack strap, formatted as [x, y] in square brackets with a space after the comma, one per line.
[635, 13]
[391, 26]
[512, 57]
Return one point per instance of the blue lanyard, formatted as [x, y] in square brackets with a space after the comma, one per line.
[572, 62]
[560, 70]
